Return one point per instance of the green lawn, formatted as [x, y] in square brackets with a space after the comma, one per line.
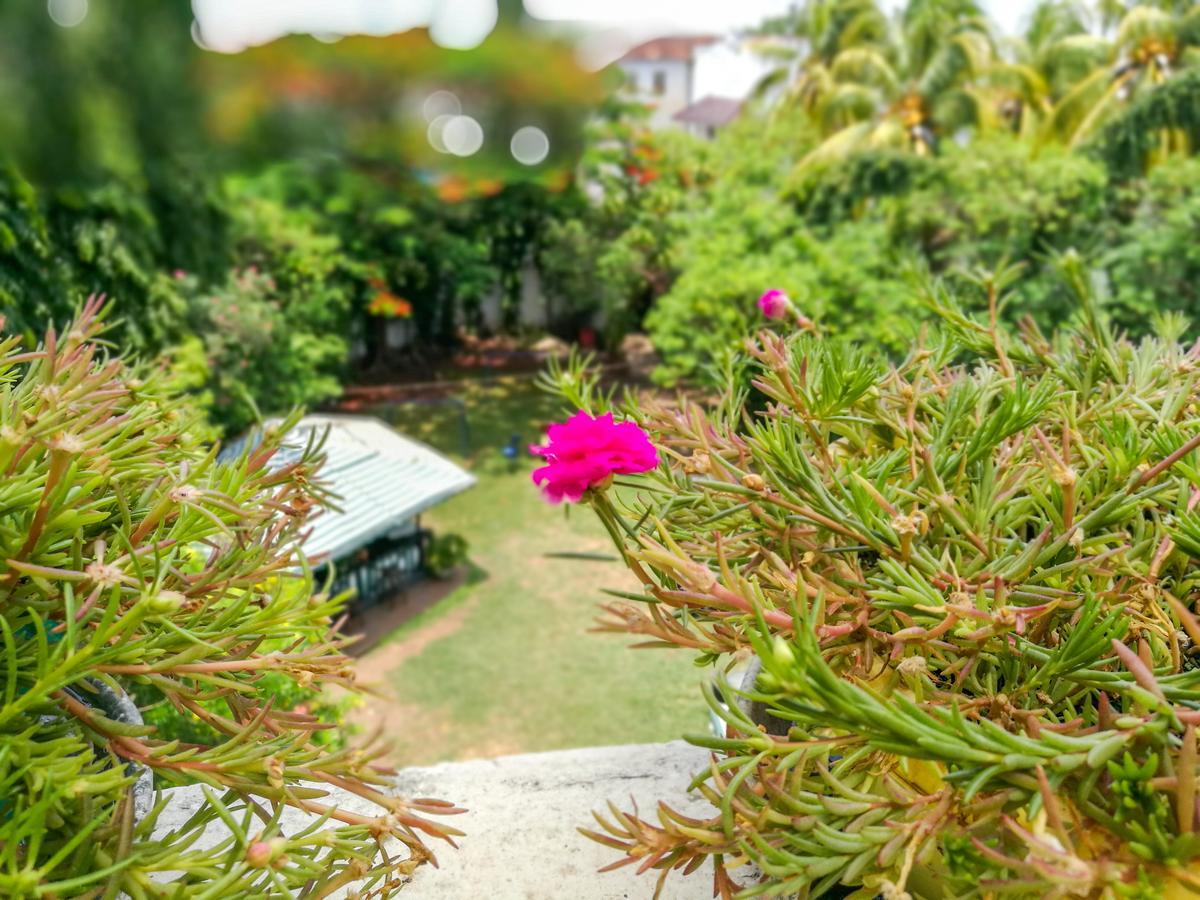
[511, 666]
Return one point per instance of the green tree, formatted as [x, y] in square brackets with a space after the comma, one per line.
[908, 83]
[1038, 68]
[1151, 45]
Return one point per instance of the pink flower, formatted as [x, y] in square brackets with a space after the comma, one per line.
[774, 304]
[179, 273]
[584, 451]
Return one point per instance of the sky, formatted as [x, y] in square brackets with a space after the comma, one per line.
[714, 15]
[232, 24]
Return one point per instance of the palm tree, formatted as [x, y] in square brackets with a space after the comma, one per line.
[1151, 43]
[871, 82]
[829, 30]
[1057, 50]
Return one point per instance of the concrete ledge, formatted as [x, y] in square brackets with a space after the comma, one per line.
[521, 842]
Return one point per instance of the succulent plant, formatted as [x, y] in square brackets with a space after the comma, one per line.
[129, 554]
[970, 579]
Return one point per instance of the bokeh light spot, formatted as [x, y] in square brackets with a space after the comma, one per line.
[463, 24]
[67, 13]
[440, 103]
[437, 131]
[530, 145]
[463, 136]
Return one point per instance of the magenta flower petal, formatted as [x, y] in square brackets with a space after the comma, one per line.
[585, 451]
[774, 304]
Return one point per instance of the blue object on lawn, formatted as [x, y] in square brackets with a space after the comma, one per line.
[512, 450]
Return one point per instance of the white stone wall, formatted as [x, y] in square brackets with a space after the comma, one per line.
[521, 841]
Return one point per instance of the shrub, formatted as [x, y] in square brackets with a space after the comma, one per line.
[260, 359]
[572, 261]
[446, 553]
[607, 257]
[969, 579]
[277, 329]
[59, 246]
[1151, 258]
[132, 559]
[848, 280]
[997, 201]
[842, 240]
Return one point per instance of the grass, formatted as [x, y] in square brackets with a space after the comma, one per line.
[512, 667]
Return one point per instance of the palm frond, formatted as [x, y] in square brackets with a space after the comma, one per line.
[773, 79]
[1067, 61]
[1166, 117]
[865, 65]
[1145, 23]
[965, 54]
[812, 84]
[1074, 106]
[1104, 107]
[1023, 80]
[1188, 28]
[1051, 21]
[836, 148]
[963, 108]
[847, 104]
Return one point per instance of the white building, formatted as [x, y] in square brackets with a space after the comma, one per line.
[661, 74]
[699, 82]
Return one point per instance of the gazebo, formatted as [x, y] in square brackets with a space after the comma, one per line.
[382, 482]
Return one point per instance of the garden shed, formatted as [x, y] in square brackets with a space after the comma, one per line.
[382, 482]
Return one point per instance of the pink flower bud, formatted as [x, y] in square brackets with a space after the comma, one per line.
[774, 304]
[258, 855]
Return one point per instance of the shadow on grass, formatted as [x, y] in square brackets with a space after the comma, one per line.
[416, 607]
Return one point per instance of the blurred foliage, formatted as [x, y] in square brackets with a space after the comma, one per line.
[743, 231]
[1152, 126]
[612, 255]
[889, 145]
[361, 98]
[844, 239]
[258, 350]
[1150, 253]
[59, 245]
[882, 145]
[244, 211]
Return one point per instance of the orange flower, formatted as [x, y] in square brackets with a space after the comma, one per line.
[389, 306]
[452, 189]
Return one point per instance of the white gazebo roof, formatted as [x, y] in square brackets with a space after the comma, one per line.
[380, 478]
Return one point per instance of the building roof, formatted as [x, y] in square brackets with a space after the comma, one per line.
[381, 479]
[714, 111]
[678, 48]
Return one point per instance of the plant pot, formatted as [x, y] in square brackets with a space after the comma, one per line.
[117, 705]
[758, 712]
